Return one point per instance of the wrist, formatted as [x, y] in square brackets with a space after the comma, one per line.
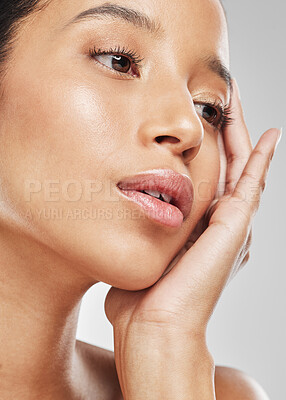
[157, 365]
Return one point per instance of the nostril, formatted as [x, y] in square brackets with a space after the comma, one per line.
[188, 154]
[170, 139]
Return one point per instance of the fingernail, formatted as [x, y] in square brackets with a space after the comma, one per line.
[277, 142]
[279, 137]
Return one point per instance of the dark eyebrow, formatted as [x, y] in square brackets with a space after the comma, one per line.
[136, 18]
[143, 21]
[214, 64]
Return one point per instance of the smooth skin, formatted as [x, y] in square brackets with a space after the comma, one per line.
[176, 310]
[65, 116]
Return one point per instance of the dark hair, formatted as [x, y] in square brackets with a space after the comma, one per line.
[12, 13]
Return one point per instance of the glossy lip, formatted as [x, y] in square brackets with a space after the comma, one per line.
[178, 186]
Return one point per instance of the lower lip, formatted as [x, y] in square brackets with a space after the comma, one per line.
[159, 211]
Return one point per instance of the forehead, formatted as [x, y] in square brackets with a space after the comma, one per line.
[189, 36]
[200, 22]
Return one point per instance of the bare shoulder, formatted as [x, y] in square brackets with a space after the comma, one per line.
[233, 384]
[94, 352]
[100, 373]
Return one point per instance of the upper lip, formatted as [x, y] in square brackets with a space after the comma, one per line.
[178, 186]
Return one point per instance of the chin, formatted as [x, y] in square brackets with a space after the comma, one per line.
[127, 254]
[133, 270]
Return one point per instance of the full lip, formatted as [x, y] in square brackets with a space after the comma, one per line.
[178, 186]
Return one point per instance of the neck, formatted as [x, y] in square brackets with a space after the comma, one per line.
[40, 297]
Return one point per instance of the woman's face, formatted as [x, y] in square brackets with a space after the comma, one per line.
[73, 125]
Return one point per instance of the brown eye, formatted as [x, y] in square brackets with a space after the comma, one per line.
[209, 113]
[121, 63]
[117, 62]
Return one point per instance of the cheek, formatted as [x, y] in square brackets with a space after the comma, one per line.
[58, 130]
[53, 133]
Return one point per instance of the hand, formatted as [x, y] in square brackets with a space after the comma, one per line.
[234, 154]
[180, 304]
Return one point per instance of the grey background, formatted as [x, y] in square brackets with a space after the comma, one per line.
[248, 329]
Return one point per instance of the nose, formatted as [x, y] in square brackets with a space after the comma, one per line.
[170, 120]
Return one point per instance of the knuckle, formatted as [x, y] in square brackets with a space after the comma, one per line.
[248, 203]
[248, 175]
[258, 152]
[232, 157]
[224, 226]
[265, 156]
[243, 214]
[254, 189]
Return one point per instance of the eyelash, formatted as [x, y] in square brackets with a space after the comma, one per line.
[224, 112]
[130, 54]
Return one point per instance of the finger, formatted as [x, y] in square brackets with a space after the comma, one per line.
[237, 141]
[212, 207]
[195, 234]
[253, 178]
[223, 168]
